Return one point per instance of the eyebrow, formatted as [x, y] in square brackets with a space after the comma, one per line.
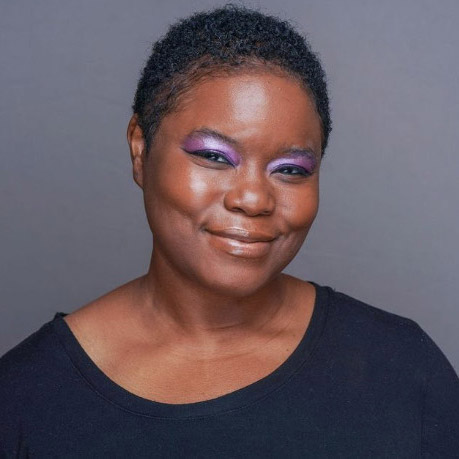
[291, 152]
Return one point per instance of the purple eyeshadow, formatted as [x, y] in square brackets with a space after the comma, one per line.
[198, 142]
[303, 159]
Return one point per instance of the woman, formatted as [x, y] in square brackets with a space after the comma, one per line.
[215, 352]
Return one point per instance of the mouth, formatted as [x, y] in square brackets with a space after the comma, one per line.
[243, 235]
[241, 243]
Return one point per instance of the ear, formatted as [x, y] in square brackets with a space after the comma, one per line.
[137, 148]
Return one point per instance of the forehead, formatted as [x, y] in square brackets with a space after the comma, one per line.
[250, 106]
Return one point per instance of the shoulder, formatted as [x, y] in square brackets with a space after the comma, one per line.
[30, 352]
[28, 374]
[383, 337]
[375, 338]
[28, 365]
[361, 310]
[392, 352]
[367, 320]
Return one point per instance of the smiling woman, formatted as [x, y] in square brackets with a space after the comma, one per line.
[237, 166]
[215, 352]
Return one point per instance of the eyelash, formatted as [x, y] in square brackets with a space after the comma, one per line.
[303, 172]
[207, 153]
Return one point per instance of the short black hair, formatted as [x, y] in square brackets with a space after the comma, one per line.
[225, 40]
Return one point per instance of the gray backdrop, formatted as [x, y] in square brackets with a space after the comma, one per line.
[73, 224]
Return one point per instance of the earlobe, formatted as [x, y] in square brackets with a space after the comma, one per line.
[137, 149]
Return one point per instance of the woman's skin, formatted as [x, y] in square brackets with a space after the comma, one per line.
[239, 156]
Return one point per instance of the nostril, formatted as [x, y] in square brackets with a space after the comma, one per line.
[252, 197]
[251, 210]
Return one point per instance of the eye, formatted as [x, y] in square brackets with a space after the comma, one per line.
[210, 155]
[293, 170]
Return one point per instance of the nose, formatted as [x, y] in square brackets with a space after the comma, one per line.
[251, 195]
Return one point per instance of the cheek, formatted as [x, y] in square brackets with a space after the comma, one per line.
[296, 213]
[176, 195]
[300, 209]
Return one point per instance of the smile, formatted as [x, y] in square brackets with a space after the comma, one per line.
[241, 244]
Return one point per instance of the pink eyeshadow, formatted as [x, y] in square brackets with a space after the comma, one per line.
[200, 141]
[304, 159]
[205, 142]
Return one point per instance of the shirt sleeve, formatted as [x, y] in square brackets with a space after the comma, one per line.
[440, 423]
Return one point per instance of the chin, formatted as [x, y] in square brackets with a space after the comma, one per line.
[238, 281]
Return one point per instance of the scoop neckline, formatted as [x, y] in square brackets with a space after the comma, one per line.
[240, 398]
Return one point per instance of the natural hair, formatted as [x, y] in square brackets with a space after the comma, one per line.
[221, 42]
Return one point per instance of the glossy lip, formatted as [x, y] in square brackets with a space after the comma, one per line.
[242, 235]
[240, 249]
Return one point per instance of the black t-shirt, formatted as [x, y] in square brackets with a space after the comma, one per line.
[362, 383]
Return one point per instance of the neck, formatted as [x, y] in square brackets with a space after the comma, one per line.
[198, 315]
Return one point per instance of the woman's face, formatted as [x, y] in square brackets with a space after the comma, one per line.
[231, 182]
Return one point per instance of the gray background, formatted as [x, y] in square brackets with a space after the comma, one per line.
[73, 224]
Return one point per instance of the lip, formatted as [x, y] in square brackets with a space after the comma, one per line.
[242, 235]
[241, 243]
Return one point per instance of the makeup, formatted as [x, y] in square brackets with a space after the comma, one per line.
[206, 140]
[215, 142]
[239, 248]
[299, 158]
